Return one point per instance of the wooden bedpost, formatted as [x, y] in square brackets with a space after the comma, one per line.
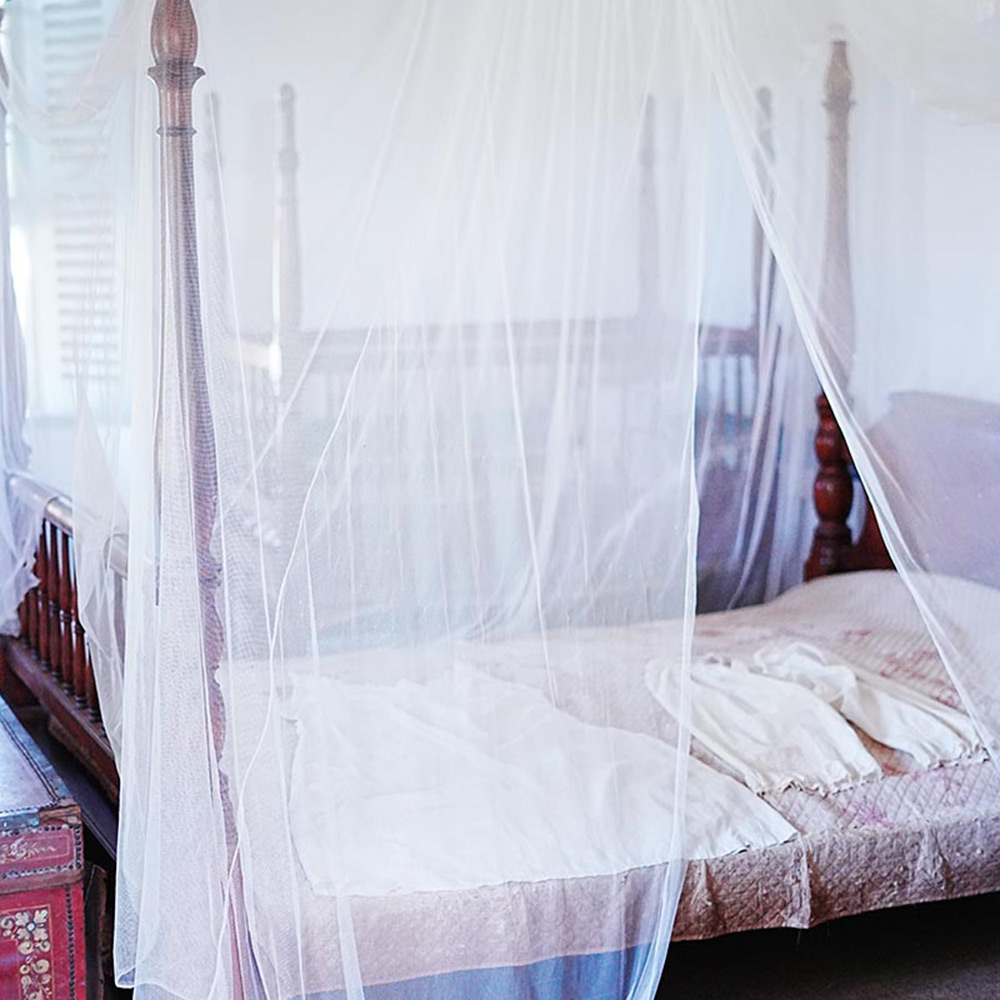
[833, 496]
[763, 259]
[836, 298]
[287, 350]
[649, 215]
[174, 42]
[287, 242]
[833, 492]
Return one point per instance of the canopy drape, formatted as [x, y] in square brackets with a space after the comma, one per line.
[408, 356]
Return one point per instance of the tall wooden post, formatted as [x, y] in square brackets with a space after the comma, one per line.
[287, 348]
[175, 45]
[649, 216]
[833, 492]
[763, 259]
[836, 298]
[174, 41]
[287, 241]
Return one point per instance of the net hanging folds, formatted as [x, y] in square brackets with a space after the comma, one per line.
[433, 362]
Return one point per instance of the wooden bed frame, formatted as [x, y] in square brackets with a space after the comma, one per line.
[51, 663]
[833, 549]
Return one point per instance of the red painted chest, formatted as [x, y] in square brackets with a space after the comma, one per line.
[41, 875]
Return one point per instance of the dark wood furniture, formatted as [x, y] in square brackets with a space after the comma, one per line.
[42, 953]
[52, 663]
[834, 550]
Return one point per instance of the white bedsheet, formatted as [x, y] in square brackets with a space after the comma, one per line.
[779, 715]
[927, 834]
[775, 733]
[892, 713]
[475, 727]
[464, 781]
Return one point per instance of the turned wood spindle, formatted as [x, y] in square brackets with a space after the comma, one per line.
[90, 687]
[52, 596]
[56, 570]
[833, 491]
[32, 601]
[43, 596]
[78, 646]
[23, 615]
[54, 618]
[66, 612]
[833, 496]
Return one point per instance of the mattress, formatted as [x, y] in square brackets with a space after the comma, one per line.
[914, 834]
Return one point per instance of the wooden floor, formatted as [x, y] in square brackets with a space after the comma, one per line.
[938, 951]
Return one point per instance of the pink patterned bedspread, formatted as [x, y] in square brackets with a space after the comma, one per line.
[915, 835]
[912, 835]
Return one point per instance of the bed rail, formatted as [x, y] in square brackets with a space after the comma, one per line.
[52, 659]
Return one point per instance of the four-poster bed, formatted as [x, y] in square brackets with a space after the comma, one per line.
[913, 834]
[273, 360]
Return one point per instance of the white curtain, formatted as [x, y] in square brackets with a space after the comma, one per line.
[482, 291]
[20, 521]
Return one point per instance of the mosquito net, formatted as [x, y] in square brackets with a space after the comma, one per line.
[404, 352]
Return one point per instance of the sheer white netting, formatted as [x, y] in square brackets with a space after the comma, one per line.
[19, 522]
[892, 286]
[481, 288]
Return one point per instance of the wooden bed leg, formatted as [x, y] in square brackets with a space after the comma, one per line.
[833, 495]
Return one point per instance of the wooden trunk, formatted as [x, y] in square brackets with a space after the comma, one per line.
[42, 955]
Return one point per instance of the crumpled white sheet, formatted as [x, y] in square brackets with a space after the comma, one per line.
[775, 733]
[780, 717]
[890, 712]
[464, 781]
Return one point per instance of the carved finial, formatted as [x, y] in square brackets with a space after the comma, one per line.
[174, 34]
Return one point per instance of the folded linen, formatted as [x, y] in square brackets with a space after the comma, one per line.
[464, 781]
[890, 712]
[775, 733]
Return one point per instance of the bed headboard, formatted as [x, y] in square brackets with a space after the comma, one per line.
[834, 550]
